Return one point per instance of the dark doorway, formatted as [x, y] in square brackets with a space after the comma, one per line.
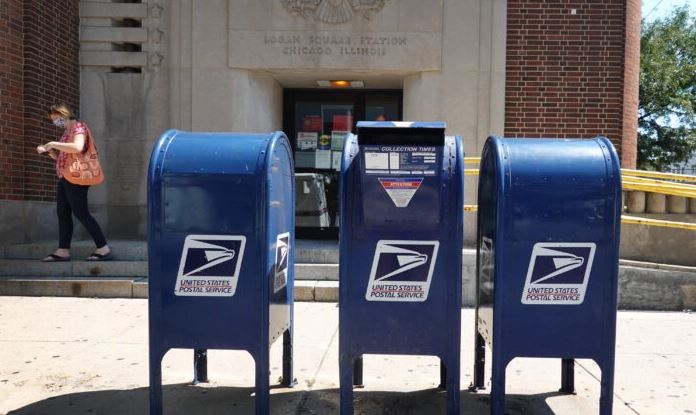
[317, 122]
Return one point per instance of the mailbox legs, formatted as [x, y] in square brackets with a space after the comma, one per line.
[452, 384]
[262, 382]
[288, 378]
[606, 386]
[443, 375]
[200, 366]
[567, 376]
[498, 385]
[155, 381]
[345, 370]
[479, 361]
[358, 372]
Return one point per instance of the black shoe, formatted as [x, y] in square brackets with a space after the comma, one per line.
[100, 257]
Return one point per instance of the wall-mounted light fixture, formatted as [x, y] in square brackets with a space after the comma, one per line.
[341, 84]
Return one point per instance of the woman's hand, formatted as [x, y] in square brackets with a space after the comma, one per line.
[52, 152]
[77, 145]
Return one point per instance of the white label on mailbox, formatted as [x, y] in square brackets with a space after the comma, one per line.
[558, 273]
[401, 160]
[402, 271]
[376, 161]
[281, 261]
[209, 265]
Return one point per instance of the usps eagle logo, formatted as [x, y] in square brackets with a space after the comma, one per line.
[333, 11]
[280, 279]
[558, 273]
[209, 265]
[402, 270]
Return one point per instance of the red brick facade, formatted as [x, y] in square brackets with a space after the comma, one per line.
[629, 142]
[39, 65]
[572, 70]
[11, 101]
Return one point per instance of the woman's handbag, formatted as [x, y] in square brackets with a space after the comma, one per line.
[83, 168]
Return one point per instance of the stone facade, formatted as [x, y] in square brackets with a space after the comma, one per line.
[516, 67]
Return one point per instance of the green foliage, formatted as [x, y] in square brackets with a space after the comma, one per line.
[667, 113]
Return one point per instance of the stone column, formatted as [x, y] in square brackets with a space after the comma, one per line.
[635, 202]
[677, 204]
[656, 203]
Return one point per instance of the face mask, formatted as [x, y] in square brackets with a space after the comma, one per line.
[59, 122]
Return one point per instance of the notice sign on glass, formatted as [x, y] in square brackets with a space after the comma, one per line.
[337, 139]
[306, 140]
[311, 123]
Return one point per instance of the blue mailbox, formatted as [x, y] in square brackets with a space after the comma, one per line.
[400, 268]
[221, 255]
[547, 266]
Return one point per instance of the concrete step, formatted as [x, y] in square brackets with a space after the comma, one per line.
[34, 268]
[307, 251]
[123, 250]
[641, 285]
[131, 269]
[114, 287]
[640, 288]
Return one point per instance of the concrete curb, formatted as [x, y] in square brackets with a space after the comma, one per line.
[656, 289]
[639, 288]
[642, 286]
[305, 291]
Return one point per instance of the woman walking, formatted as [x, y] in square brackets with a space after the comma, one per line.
[71, 199]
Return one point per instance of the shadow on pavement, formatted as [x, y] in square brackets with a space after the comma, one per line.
[186, 399]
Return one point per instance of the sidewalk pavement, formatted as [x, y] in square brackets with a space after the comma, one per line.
[89, 356]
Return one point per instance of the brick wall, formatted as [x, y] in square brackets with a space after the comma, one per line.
[11, 101]
[51, 74]
[566, 73]
[631, 82]
[39, 65]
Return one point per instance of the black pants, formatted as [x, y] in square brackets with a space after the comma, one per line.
[72, 199]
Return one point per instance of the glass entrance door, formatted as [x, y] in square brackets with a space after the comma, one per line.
[317, 123]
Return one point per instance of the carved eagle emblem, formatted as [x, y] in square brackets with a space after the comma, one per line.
[333, 11]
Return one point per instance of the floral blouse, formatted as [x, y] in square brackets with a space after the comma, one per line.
[77, 128]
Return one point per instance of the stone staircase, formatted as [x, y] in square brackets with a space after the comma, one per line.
[22, 272]
[642, 285]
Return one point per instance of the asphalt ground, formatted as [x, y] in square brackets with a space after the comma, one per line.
[90, 356]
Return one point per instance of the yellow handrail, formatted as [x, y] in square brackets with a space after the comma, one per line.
[656, 222]
[658, 175]
[667, 190]
[637, 180]
[630, 220]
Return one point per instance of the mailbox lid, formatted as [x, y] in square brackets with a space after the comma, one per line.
[198, 153]
[571, 185]
[200, 178]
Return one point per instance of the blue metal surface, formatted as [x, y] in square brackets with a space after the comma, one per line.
[401, 250]
[220, 246]
[547, 267]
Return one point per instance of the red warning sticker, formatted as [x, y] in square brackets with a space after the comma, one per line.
[401, 190]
